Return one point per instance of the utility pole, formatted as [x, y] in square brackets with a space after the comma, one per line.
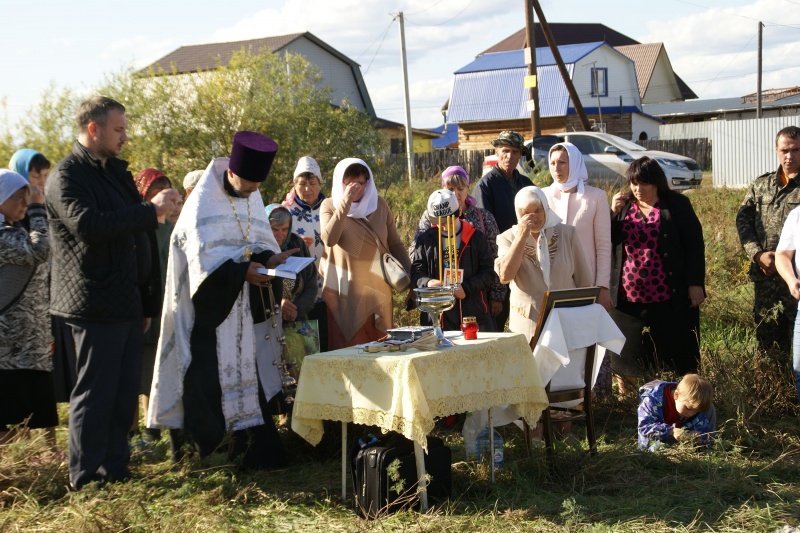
[758, 84]
[533, 91]
[409, 140]
[597, 92]
[561, 68]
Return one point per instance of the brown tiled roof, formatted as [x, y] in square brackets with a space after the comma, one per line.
[564, 33]
[578, 33]
[201, 57]
[644, 57]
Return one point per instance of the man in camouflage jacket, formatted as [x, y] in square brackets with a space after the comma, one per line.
[759, 222]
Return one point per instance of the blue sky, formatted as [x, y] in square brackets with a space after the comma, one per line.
[711, 43]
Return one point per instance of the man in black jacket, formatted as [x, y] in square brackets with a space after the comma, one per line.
[102, 287]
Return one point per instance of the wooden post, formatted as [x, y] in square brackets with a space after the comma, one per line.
[533, 92]
[576, 101]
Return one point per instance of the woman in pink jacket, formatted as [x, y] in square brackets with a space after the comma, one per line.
[586, 209]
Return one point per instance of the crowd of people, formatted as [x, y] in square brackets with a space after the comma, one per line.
[113, 287]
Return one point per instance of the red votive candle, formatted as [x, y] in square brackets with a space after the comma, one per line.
[469, 325]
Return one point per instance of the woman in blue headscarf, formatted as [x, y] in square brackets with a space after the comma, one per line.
[31, 165]
[298, 294]
[26, 383]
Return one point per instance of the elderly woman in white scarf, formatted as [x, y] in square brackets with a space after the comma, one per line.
[536, 255]
[586, 209]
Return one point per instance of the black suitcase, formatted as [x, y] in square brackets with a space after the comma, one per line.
[380, 488]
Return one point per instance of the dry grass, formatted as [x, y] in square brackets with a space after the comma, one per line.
[750, 481]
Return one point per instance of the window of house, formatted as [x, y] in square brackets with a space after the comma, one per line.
[599, 82]
[398, 146]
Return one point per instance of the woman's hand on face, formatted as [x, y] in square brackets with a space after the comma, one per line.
[618, 201]
[35, 194]
[526, 224]
[696, 295]
[351, 192]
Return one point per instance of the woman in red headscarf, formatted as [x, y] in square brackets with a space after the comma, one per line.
[150, 182]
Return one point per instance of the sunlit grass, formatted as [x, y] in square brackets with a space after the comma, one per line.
[750, 481]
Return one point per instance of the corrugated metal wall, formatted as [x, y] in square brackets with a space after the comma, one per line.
[688, 130]
[742, 150]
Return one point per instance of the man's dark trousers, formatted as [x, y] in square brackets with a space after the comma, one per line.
[103, 402]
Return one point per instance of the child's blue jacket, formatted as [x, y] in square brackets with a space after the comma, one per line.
[653, 431]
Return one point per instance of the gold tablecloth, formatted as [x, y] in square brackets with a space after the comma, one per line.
[405, 391]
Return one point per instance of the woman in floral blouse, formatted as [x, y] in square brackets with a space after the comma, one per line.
[657, 273]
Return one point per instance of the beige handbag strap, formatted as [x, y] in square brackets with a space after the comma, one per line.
[368, 227]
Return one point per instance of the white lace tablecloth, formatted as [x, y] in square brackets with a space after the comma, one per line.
[405, 391]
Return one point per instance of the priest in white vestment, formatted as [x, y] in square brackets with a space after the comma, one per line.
[216, 366]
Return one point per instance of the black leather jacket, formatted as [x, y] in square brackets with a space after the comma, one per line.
[102, 233]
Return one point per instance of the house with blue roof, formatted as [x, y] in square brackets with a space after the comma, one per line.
[489, 95]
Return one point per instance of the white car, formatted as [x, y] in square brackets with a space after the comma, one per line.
[607, 157]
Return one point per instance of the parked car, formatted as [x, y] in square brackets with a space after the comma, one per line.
[607, 157]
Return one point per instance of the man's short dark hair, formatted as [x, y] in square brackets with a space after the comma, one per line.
[96, 109]
[792, 132]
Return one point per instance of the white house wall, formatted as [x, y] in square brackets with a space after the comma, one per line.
[662, 87]
[643, 124]
[334, 71]
[621, 77]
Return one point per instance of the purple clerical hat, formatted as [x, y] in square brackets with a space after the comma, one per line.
[251, 155]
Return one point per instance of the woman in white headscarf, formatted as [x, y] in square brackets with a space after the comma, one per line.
[586, 209]
[536, 255]
[357, 229]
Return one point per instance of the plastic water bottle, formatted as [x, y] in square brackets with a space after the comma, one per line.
[470, 432]
[483, 447]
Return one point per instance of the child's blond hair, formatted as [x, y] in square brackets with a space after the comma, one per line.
[696, 392]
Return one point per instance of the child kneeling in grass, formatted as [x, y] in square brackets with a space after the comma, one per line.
[670, 412]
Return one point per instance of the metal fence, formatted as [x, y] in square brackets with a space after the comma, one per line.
[688, 130]
[742, 149]
[745, 149]
[697, 149]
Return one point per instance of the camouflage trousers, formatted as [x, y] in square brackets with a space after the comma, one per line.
[774, 312]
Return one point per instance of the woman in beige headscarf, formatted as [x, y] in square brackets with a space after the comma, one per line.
[357, 229]
[536, 255]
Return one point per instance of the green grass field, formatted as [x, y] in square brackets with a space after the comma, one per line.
[750, 481]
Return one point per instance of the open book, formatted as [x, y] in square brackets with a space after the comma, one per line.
[289, 269]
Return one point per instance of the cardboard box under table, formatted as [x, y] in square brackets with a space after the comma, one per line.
[406, 391]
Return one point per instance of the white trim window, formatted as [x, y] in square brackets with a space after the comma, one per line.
[599, 80]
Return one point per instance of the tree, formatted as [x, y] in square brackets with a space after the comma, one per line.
[50, 125]
[179, 122]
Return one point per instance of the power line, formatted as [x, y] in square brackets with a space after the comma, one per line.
[729, 13]
[385, 33]
[446, 21]
[729, 63]
[373, 42]
[425, 9]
